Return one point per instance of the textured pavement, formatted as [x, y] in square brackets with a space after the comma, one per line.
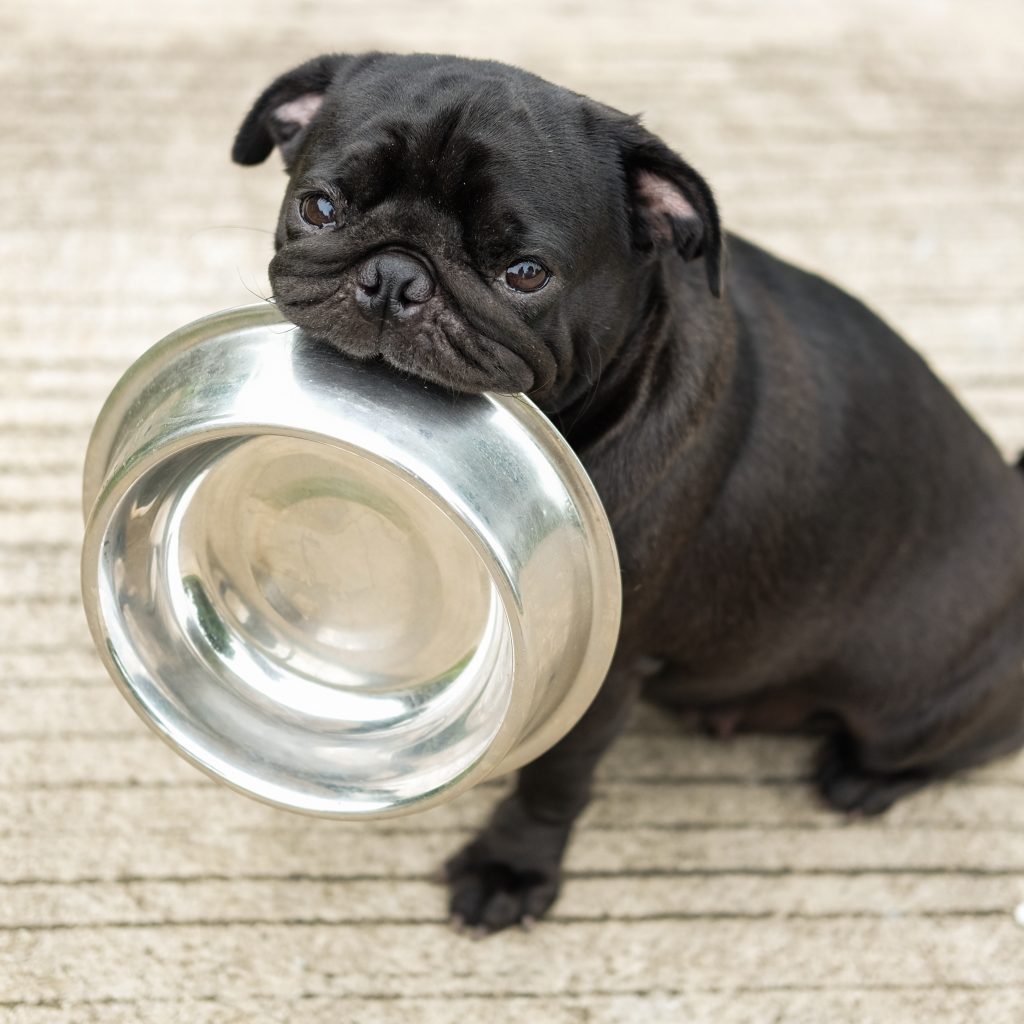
[877, 143]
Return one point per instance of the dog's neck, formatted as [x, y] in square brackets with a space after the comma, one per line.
[671, 384]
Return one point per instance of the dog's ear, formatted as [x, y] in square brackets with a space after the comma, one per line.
[669, 202]
[282, 115]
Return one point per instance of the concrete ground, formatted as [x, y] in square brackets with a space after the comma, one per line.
[879, 143]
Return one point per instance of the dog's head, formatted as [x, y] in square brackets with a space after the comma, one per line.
[469, 222]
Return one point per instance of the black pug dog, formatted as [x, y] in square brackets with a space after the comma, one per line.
[811, 528]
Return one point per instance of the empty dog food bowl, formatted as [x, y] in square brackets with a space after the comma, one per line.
[336, 589]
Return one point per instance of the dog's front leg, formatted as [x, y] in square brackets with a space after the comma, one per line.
[511, 872]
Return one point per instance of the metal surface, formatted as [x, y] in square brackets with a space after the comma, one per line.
[338, 590]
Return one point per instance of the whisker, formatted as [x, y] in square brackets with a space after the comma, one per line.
[228, 227]
[593, 384]
[251, 291]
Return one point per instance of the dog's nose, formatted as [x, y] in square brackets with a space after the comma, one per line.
[392, 284]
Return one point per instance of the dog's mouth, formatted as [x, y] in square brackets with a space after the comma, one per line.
[446, 351]
[436, 343]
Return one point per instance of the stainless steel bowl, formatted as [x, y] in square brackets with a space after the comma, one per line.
[338, 590]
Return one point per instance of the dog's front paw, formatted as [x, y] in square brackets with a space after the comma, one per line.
[487, 894]
[510, 874]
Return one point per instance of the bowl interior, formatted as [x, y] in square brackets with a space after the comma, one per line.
[305, 624]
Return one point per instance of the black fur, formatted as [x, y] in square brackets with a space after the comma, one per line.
[811, 528]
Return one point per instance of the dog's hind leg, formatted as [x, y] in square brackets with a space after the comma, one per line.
[848, 785]
[869, 765]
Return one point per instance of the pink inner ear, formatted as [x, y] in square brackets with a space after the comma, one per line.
[660, 196]
[300, 111]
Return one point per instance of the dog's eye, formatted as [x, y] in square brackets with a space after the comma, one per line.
[526, 275]
[318, 210]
